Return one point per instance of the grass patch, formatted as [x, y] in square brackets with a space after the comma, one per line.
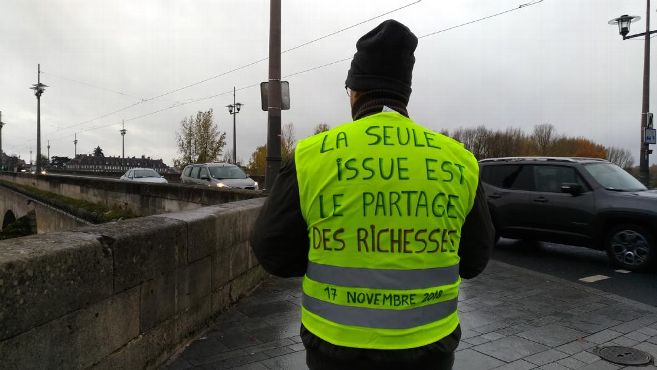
[92, 212]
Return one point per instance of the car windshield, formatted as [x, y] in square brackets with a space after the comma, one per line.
[145, 173]
[612, 177]
[227, 172]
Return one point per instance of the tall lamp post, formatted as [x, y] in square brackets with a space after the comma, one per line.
[233, 109]
[48, 151]
[38, 88]
[623, 23]
[123, 131]
[75, 146]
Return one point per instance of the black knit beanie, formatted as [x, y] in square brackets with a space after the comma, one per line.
[384, 60]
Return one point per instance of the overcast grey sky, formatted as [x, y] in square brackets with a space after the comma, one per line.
[556, 62]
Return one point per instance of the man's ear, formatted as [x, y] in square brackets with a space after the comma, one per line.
[353, 97]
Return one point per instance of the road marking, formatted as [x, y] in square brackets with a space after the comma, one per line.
[594, 278]
[623, 271]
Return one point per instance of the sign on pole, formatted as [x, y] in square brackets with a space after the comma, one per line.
[650, 136]
[285, 95]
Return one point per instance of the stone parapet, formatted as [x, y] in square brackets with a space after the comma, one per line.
[142, 199]
[123, 295]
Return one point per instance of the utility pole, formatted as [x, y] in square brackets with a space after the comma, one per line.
[30, 157]
[38, 88]
[644, 169]
[2, 159]
[274, 95]
[75, 143]
[123, 131]
[48, 151]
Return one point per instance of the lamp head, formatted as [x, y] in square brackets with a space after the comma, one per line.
[39, 88]
[623, 23]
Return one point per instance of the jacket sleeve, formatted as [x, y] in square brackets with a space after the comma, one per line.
[477, 237]
[280, 237]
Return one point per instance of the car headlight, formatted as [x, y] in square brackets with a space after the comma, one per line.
[255, 185]
[221, 185]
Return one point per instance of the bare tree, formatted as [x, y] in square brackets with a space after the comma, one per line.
[485, 143]
[543, 137]
[621, 157]
[475, 140]
[321, 128]
[510, 143]
[287, 142]
[185, 140]
[227, 156]
[199, 140]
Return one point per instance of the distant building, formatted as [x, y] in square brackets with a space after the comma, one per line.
[90, 163]
[12, 163]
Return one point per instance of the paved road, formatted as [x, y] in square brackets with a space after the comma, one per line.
[575, 263]
[507, 323]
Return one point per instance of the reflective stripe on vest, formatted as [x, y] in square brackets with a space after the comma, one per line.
[383, 279]
[384, 200]
[377, 318]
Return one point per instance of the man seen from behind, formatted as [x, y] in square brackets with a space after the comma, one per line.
[382, 217]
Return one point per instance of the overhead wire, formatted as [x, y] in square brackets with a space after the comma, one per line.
[144, 100]
[92, 85]
[190, 101]
[349, 58]
[482, 18]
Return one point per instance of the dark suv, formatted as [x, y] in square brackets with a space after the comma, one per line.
[579, 201]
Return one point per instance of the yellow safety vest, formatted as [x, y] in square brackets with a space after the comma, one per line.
[384, 200]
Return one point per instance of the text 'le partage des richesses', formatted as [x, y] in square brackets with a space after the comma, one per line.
[392, 203]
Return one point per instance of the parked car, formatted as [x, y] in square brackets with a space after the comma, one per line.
[221, 175]
[578, 201]
[143, 175]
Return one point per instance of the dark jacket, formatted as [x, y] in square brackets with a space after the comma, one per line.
[280, 242]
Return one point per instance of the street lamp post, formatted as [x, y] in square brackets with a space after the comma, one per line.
[123, 131]
[38, 88]
[233, 109]
[623, 23]
[48, 151]
[75, 146]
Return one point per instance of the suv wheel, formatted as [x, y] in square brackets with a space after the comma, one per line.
[630, 247]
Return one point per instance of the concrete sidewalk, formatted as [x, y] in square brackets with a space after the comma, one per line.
[512, 318]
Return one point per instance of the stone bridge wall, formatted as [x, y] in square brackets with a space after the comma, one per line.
[122, 295]
[48, 218]
[14, 202]
[141, 198]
